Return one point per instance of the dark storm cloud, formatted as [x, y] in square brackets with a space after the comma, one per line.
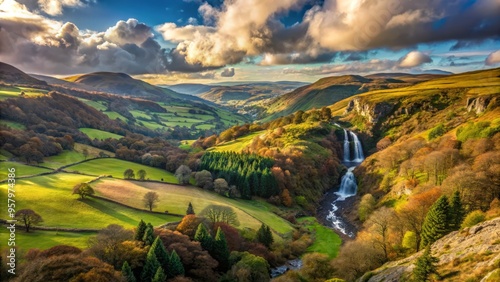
[229, 72]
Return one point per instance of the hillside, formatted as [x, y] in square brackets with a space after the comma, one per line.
[326, 91]
[471, 254]
[195, 89]
[12, 75]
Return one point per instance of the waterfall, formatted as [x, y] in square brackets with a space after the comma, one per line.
[358, 149]
[348, 184]
[347, 151]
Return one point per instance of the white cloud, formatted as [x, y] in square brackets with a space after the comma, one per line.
[493, 58]
[55, 7]
[414, 59]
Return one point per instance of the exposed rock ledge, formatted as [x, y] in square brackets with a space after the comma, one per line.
[372, 112]
[469, 253]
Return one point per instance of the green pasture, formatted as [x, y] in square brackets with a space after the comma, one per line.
[99, 134]
[326, 241]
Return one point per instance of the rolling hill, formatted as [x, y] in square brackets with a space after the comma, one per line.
[12, 75]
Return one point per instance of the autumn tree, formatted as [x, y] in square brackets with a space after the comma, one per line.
[436, 223]
[221, 186]
[183, 174]
[425, 266]
[142, 174]
[106, 244]
[150, 199]
[129, 174]
[379, 224]
[366, 206]
[204, 179]
[217, 213]
[83, 189]
[28, 217]
[189, 225]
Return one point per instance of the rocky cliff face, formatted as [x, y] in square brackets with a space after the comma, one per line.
[472, 254]
[372, 112]
[478, 104]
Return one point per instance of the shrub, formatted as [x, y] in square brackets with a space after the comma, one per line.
[473, 218]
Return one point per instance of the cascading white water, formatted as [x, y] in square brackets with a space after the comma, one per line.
[358, 149]
[347, 151]
[348, 186]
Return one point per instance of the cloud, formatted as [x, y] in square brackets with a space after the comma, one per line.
[55, 7]
[126, 32]
[229, 72]
[296, 58]
[414, 59]
[493, 58]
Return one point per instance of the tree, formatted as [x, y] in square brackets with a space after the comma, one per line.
[142, 174]
[220, 250]
[366, 206]
[128, 174]
[148, 237]
[457, 212]
[188, 225]
[175, 265]
[107, 244]
[28, 217]
[150, 199]
[85, 153]
[83, 189]
[139, 231]
[379, 223]
[249, 267]
[473, 218]
[159, 276]
[190, 209]
[160, 252]
[203, 237]
[265, 236]
[150, 267]
[217, 213]
[436, 223]
[204, 179]
[127, 273]
[221, 186]
[425, 266]
[183, 174]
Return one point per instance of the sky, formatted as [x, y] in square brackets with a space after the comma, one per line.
[178, 41]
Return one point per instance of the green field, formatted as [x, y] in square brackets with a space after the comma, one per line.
[326, 241]
[236, 145]
[115, 115]
[97, 105]
[116, 167]
[13, 124]
[51, 197]
[175, 199]
[13, 92]
[38, 239]
[99, 134]
[21, 169]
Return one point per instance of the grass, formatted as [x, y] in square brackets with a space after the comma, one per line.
[116, 167]
[115, 115]
[13, 92]
[21, 169]
[12, 124]
[236, 145]
[326, 241]
[97, 105]
[99, 134]
[43, 240]
[176, 198]
[51, 197]
[70, 157]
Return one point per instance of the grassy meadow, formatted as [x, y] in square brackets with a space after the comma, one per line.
[21, 169]
[99, 134]
[116, 167]
[326, 241]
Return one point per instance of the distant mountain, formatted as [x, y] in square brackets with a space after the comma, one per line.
[327, 91]
[189, 88]
[12, 75]
[437, 71]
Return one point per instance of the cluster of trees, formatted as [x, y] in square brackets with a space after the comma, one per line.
[249, 172]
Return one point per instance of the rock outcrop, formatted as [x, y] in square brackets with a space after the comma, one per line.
[372, 112]
[478, 104]
[472, 253]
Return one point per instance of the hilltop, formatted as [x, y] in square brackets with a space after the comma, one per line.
[13, 75]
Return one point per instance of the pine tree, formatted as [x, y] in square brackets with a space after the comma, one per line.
[425, 266]
[148, 237]
[160, 252]
[159, 275]
[127, 273]
[190, 209]
[436, 223]
[220, 250]
[265, 236]
[457, 212]
[203, 237]
[139, 231]
[175, 267]
[150, 267]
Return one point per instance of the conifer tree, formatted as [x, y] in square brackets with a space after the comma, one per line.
[148, 237]
[160, 252]
[175, 267]
[139, 231]
[159, 276]
[265, 236]
[190, 209]
[436, 223]
[203, 237]
[425, 266]
[457, 212]
[150, 267]
[220, 250]
[127, 273]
